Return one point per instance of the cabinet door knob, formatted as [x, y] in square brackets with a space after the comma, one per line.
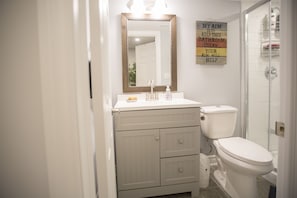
[157, 138]
[180, 170]
[180, 141]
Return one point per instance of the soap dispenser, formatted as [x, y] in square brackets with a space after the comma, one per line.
[168, 95]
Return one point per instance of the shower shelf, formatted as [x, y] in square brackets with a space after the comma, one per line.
[274, 45]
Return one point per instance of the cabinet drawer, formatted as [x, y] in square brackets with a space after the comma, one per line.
[153, 119]
[180, 170]
[179, 141]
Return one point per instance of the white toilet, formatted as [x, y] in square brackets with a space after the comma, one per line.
[240, 161]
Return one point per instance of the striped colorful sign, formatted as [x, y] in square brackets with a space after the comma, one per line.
[211, 43]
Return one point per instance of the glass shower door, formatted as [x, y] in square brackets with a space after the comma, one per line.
[262, 66]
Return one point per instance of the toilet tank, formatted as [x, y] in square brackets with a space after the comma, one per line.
[218, 121]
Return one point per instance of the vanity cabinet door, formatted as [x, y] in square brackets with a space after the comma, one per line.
[138, 159]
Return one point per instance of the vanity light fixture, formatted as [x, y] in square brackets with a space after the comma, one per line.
[141, 6]
[160, 6]
[138, 6]
[137, 39]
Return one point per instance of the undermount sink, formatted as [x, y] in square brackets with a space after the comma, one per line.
[139, 102]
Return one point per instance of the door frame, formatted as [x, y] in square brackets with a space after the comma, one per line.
[287, 161]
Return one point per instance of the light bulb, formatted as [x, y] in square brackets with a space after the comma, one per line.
[159, 6]
[138, 6]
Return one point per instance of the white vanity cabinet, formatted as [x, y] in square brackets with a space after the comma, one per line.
[157, 152]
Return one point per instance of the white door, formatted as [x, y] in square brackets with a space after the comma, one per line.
[145, 63]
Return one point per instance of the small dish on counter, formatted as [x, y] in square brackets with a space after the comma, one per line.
[132, 99]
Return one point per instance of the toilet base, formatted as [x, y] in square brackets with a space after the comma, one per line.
[246, 188]
[220, 177]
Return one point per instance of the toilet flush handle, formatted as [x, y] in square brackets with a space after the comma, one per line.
[202, 117]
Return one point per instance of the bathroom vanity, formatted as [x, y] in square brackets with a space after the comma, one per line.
[157, 147]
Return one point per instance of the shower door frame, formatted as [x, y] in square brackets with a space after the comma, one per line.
[245, 73]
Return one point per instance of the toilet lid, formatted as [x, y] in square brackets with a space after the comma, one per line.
[245, 150]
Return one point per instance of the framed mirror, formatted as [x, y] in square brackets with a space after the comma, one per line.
[148, 52]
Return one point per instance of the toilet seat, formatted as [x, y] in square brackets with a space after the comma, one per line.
[245, 150]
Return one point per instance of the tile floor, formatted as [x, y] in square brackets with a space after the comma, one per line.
[214, 191]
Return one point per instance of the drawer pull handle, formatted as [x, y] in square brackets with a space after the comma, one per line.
[180, 170]
[180, 141]
[157, 138]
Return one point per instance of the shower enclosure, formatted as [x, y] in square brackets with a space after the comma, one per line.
[261, 86]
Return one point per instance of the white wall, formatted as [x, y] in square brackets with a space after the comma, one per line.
[210, 85]
[23, 167]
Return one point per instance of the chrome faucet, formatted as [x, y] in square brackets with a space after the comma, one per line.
[151, 95]
[152, 86]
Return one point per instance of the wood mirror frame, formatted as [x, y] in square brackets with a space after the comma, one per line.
[148, 17]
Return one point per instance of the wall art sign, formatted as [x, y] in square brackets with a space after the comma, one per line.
[211, 43]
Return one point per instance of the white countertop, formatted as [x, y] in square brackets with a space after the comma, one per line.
[178, 101]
